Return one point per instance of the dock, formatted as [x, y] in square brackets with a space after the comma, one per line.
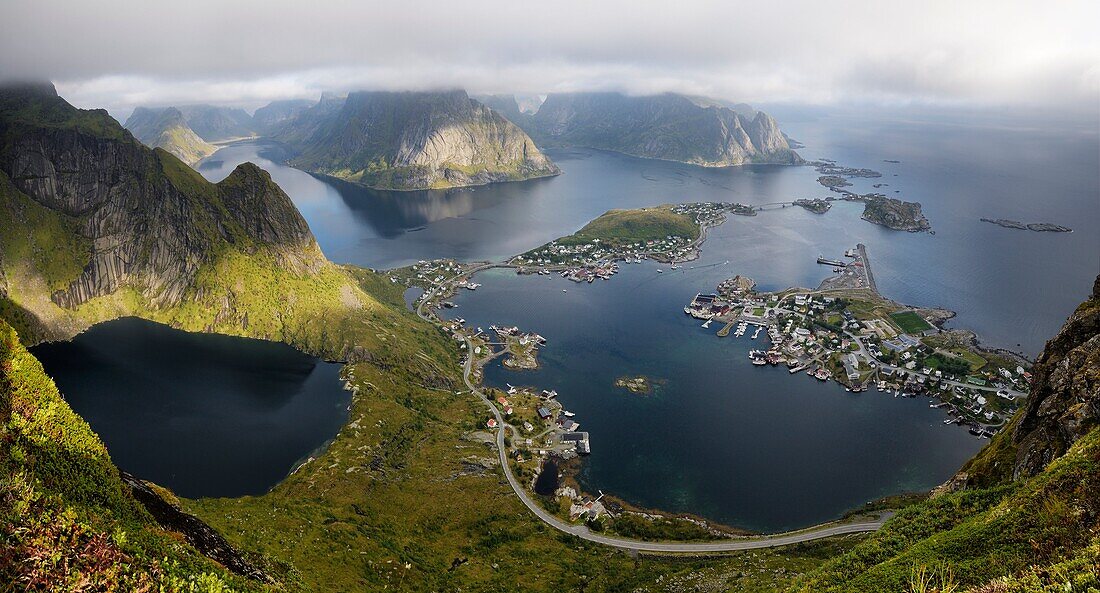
[867, 267]
[725, 331]
[831, 262]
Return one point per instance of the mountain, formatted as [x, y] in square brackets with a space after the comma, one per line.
[166, 128]
[217, 124]
[413, 140]
[95, 225]
[506, 105]
[669, 127]
[266, 119]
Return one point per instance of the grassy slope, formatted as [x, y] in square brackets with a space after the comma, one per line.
[185, 144]
[628, 226]
[980, 535]
[65, 516]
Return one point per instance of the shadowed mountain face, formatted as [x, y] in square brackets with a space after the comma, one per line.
[412, 140]
[669, 127]
[138, 217]
[269, 117]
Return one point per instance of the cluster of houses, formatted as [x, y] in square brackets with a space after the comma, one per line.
[820, 335]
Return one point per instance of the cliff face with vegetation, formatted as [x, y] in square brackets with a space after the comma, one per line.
[166, 128]
[94, 225]
[413, 140]
[1024, 514]
[669, 127]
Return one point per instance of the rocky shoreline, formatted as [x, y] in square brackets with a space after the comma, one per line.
[1039, 227]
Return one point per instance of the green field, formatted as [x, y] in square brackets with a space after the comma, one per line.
[629, 226]
[910, 322]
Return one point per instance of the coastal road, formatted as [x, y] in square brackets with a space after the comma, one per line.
[582, 531]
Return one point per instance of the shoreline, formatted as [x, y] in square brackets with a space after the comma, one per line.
[938, 318]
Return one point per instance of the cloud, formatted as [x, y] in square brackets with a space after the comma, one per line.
[121, 53]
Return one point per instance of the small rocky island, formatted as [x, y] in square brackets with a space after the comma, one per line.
[815, 205]
[640, 385]
[892, 213]
[1039, 227]
[832, 181]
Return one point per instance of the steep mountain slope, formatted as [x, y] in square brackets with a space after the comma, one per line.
[216, 124]
[414, 140]
[506, 105]
[68, 522]
[1028, 502]
[94, 225]
[268, 118]
[166, 128]
[669, 126]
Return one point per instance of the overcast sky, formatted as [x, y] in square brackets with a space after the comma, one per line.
[118, 54]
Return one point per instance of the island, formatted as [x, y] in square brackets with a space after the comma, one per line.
[666, 233]
[893, 213]
[640, 385]
[1039, 227]
[831, 181]
[815, 205]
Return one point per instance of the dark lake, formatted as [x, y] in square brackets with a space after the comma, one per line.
[203, 414]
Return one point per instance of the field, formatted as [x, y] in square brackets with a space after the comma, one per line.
[910, 322]
[629, 226]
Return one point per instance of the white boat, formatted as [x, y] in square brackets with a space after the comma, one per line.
[568, 413]
[706, 323]
[660, 271]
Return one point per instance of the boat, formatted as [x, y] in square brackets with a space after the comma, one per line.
[759, 361]
[563, 290]
[660, 271]
[568, 414]
[706, 323]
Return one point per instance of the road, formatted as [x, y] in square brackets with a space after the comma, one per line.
[583, 532]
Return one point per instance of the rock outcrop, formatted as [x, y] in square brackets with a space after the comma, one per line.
[151, 220]
[413, 140]
[669, 127]
[1064, 404]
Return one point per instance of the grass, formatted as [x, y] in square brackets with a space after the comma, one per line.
[618, 227]
[978, 535]
[65, 516]
[910, 322]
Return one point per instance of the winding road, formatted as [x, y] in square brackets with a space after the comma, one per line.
[583, 532]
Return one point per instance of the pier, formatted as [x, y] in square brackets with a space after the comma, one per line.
[866, 267]
[831, 262]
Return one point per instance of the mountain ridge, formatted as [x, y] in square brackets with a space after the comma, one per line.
[667, 127]
[413, 140]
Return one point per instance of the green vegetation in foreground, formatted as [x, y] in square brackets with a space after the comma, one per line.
[977, 536]
[624, 227]
[910, 322]
[65, 516]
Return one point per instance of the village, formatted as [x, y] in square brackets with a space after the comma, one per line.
[845, 331]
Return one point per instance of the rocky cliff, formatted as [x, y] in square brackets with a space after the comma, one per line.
[669, 126]
[1064, 404]
[148, 221]
[413, 140]
[166, 128]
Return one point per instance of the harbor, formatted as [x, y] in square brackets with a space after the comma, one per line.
[844, 331]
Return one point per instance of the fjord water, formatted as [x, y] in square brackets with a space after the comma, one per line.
[203, 414]
[757, 448]
[1014, 288]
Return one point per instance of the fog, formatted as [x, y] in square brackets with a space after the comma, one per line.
[118, 54]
